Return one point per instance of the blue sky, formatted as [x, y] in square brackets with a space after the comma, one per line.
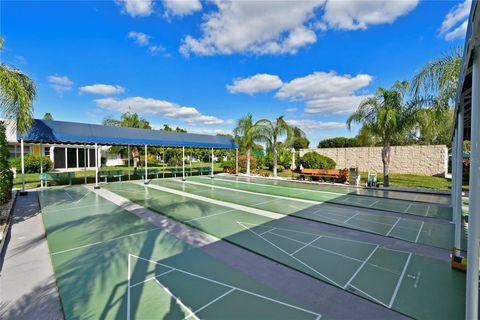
[202, 65]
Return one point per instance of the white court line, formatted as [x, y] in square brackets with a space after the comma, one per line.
[374, 203]
[406, 210]
[371, 297]
[356, 214]
[177, 300]
[230, 286]
[267, 231]
[86, 194]
[304, 246]
[66, 192]
[128, 287]
[419, 232]
[48, 211]
[428, 209]
[293, 257]
[392, 300]
[394, 225]
[210, 303]
[208, 216]
[151, 278]
[360, 268]
[104, 241]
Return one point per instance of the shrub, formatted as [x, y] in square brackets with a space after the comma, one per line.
[313, 160]
[284, 159]
[339, 142]
[32, 164]
[6, 176]
[280, 168]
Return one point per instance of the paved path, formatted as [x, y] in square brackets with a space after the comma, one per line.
[27, 281]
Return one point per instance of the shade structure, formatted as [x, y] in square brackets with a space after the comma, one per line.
[50, 131]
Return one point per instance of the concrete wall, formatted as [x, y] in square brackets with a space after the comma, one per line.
[416, 159]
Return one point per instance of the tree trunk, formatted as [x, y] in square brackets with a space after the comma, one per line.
[386, 163]
[275, 160]
[135, 157]
[248, 161]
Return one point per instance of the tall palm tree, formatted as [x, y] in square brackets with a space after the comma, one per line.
[17, 92]
[246, 134]
[437, 80]
[270, 132]
[387, 116]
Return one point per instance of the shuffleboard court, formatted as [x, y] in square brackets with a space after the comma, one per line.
[394, 279]
[400, 206]
[439, 234]
[110, 264]
[400, 195]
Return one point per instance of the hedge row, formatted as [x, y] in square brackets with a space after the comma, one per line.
[32, 164]
[6, 175]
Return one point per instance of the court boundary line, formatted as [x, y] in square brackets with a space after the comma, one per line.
[230, 286]
[177, 300]
[393, 227]
[419, 232]
[211, 302]
[103, 241]
[394, 296]
[361, 267]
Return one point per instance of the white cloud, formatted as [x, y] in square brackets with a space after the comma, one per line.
[60, 83]
[181, 7]
[456, 21]
[314, 125]
[157, 107]
[136, 8]
[359, 14]
[258, 27]
[140, 38]
[103, 89]
[261, 82]
[155, 49]
[291, 110]
[326, 91]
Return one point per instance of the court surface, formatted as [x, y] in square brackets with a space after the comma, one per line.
[305, 191]
[110, 264]
[431, 232]
[414, 285]
[342, 189]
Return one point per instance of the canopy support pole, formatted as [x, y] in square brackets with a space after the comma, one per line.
[85, 162]
[236, 161]
[146, 166]
[211, 169]
[191, 154]
[471, 311]
[22, 193]
[128, 156]
[41, 166]
[96, 167]
[163, 167]
[457, 180]
[183, 163]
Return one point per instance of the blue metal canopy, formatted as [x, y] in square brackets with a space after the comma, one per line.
[49, 131]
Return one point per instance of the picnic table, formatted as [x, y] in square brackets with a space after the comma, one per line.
[111, 174]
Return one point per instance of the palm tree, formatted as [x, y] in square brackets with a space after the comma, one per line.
[17, 92]
[437, 80]
[245, 134]
[387, 116]
[47, 116]
[270, 132]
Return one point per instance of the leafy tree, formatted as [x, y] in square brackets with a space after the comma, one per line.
[386, 115]
[167, 128]
[338, 142]
[299, 139]
[129, 120]
[246, 134]
[17, 92]
[434, 126]
[314, 160]
[47, 116]
[270, 132]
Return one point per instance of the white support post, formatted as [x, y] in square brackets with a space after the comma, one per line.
[23, 166]
[236, 161]
[85, 163]
[146, 166]
[191, 154]
[128, 156]
[471, 311]
[457, 180]
[163, 167]
[211, 169]
[77, 157]
[183, 163]
[453, 194]
[96, 167]
[41, 166]
[66, 157]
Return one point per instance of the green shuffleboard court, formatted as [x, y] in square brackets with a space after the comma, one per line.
[294, 190]
[400, 195]
[439, 234]
[417, 286]
[110, 264]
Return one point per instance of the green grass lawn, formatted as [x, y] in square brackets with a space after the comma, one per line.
[32, 180]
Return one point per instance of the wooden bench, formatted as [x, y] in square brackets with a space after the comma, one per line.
[56, 176]
[150, 173]
[335, 175]
[110, 174]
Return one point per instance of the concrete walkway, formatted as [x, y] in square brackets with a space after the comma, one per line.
[27, 281]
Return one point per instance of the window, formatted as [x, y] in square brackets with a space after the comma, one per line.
[13, 150]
